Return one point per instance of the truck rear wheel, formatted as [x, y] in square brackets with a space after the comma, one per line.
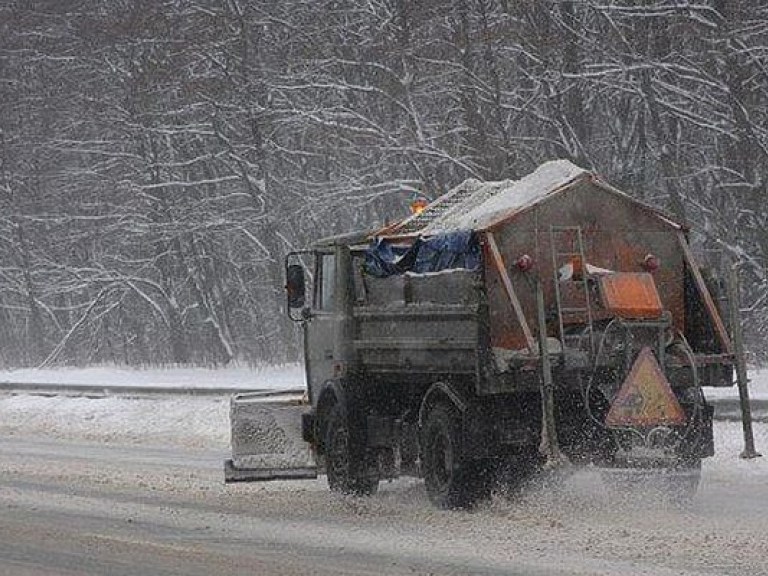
[451, 480]
[346, 465]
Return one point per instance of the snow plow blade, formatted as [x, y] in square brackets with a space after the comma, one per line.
[267, 442]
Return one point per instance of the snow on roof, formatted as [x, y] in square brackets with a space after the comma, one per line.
[477, 205]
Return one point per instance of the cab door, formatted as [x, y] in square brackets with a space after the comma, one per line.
[321, 357]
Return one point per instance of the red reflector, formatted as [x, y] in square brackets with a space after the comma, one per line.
[524, 263]
[651, 263]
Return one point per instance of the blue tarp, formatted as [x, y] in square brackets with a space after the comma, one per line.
[441, 252]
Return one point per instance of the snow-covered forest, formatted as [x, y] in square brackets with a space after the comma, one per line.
[158, 158]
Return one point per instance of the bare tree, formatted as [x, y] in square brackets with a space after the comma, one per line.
[159, 159]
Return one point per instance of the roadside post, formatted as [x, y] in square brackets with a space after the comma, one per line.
[741, 366]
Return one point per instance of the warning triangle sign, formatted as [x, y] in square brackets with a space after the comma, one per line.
[645, 398]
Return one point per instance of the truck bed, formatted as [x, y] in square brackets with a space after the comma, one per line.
[420, 323]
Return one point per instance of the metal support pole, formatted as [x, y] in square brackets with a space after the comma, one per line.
[741, 365]
[549, 446]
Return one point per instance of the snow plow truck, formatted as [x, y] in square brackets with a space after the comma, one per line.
[505, 326]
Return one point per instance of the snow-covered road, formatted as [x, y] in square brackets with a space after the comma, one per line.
[134, 486]
[79, 507]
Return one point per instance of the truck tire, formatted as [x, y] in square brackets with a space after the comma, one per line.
[451, 481]
[347, 468]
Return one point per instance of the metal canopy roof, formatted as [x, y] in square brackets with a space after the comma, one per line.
[480, 205]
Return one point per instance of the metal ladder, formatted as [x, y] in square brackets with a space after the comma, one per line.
[464, 198]
[560, 257]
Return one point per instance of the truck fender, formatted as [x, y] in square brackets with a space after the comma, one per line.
[332, 393]
[441, 391]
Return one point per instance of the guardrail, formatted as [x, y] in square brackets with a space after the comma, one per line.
[102, 391]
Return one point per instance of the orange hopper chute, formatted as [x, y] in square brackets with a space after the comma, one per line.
[631, 295]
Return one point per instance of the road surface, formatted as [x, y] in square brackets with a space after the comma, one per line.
[75, 508]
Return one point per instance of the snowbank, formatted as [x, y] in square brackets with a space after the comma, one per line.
[758, 387]
[185, 421]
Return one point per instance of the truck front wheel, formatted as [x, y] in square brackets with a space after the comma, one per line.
[451, 480]
[346, 465]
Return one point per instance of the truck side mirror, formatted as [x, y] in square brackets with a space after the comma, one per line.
[295, 286]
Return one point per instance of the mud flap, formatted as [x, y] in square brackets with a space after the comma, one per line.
[267, 441]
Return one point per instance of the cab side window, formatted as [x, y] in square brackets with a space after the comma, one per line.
[325, 288]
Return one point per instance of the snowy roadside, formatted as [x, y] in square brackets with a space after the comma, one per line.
[186, 422]
[758, 387]
[203, 423]
[290, 376]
